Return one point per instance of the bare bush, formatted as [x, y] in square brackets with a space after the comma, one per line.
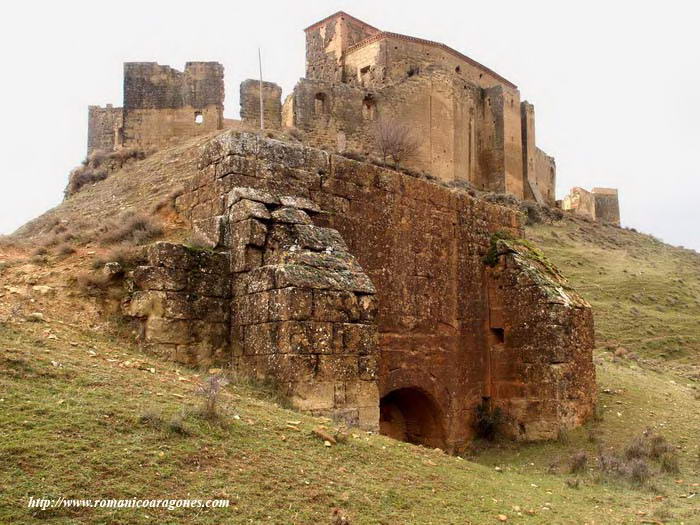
[669, 463]
[394, 139]
[98, 166]
[82, 176]
[131, 228]
[210, 390]
[65, 249]
[488, 421]
[126, 256]
[578, 462]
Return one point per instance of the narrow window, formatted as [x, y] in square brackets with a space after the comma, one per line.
[499, 336]
[198, 117]
[369, 108]
[364, 75]
[458, 69]
[320, 103]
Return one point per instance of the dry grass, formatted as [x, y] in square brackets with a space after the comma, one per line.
[130, 228]
[98, 166]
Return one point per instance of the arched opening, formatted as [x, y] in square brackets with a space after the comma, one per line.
[409, 414]
[198, 117]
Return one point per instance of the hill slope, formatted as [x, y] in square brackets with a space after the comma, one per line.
[85, 414]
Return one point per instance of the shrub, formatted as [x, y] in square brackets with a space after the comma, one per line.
[638, 471]
[488, 420]
[669, 463]
[127, 257]
[354, 155]
[93, 282]
[578, 462]
[532, 212]
[636, 449]
[394, 139]
[176, 425]
[65, 249]
[98, 166]
[658, 446]
[81, 177]
[210, 390]
[131, 228]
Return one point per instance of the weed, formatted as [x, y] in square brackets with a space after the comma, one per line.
[488, 420]
[578, 462]
[210, 390]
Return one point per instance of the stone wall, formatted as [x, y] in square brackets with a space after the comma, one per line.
[607, 205]
[250, 104]
[182, 298]
[580, 202]
[162, 105]
[327, 40]
[545, 176]
[303, 309]
[531, 308]
[104, 128]
[422, 246]
[600, 204]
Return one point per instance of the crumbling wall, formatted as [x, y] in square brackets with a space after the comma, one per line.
[580, 202]
[422, 246]
[607, 205]
[532, 307]
[271, 100]
[182, 299]
[162, 104]
[303, 309]
[545, 176]
[104, 128]
[327, 40]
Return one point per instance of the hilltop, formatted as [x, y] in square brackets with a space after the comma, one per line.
[110, 420]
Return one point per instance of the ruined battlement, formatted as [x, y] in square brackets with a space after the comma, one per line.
[469, 122]
[599, 204]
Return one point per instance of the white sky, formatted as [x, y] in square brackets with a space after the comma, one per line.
[613, 83]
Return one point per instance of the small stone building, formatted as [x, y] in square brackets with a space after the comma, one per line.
[599, 204]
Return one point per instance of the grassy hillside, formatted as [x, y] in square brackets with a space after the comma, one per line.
[645, 294]
[85, 414]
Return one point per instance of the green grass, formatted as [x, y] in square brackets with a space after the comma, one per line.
[645, 294]
[71, 425]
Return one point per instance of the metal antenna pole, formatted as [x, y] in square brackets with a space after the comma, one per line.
[262, 117]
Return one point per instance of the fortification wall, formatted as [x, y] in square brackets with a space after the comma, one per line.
[393, 57]
[422, 247]
[465, 133]
[104, 128]
[545, 176]
[271, 100]
[581, 202]
[607, 205]
[162, 104]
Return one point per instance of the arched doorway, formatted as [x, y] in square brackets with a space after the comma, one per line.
[409, 414]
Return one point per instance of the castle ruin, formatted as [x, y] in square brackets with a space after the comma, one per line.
[599, 204]
[368, 295]
[472, 124]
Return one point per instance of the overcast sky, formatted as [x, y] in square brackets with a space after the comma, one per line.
[614, 83]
